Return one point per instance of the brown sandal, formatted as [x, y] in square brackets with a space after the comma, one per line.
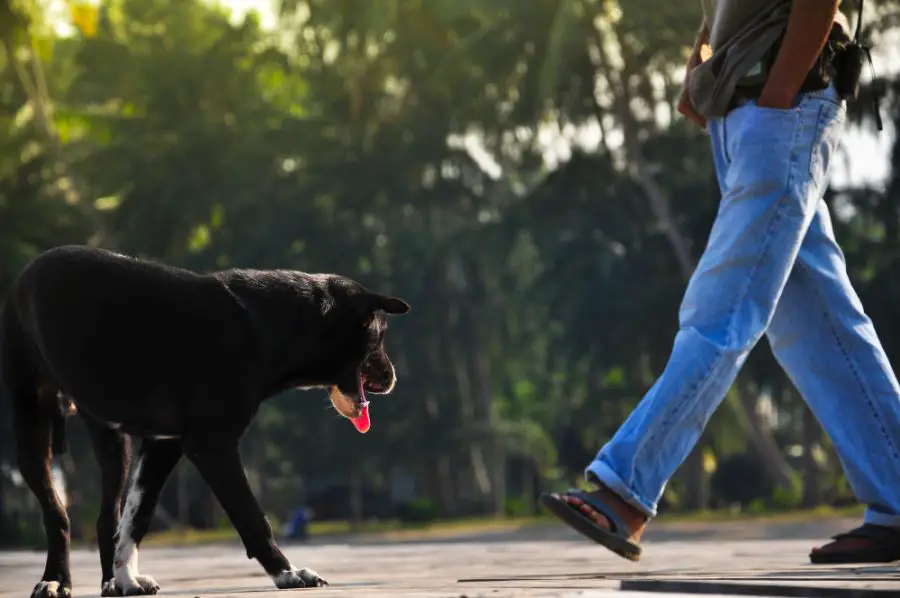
[866, 544]
[617, 538]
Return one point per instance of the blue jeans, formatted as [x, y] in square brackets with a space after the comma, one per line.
[771, 266]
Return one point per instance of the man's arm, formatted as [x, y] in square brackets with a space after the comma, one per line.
[809, 24]
[684, 103]
[697, 51]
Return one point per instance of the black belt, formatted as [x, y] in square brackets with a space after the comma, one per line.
[742, 95]
[818, 78]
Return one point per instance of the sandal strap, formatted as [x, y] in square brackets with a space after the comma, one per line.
[616, 526]
[870, 531]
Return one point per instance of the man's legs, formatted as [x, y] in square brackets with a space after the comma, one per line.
[769, 201]
[826, 343]
[772, 164]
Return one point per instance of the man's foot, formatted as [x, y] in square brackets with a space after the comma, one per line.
[866, 544]
[602, 516]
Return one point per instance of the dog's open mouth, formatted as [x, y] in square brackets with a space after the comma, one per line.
[362, 423]
[355, 406]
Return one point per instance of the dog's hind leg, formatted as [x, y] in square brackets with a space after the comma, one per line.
[34, 430]
[156, 460]
[112, 450]
[221, 468]
[35, 408]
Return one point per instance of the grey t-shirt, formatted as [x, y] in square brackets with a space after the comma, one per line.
[741, 32]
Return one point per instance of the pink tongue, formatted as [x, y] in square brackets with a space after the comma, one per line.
[362, 422]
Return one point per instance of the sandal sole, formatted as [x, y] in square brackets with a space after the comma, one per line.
[586, 527]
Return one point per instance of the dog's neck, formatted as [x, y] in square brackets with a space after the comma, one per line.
[292, 318]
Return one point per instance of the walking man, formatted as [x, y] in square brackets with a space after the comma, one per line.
[771, 266]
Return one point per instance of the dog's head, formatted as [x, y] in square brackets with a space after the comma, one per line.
[368, 368]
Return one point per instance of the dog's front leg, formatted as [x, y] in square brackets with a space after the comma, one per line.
[113, 452]
[156, 460]
[221, 468]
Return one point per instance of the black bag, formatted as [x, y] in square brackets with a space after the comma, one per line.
[847, 63]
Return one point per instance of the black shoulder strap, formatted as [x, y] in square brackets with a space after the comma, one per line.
[868, 52]
[859, 21]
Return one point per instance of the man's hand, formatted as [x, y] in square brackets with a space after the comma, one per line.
[807, 32]
[699, 53]
[686, 108]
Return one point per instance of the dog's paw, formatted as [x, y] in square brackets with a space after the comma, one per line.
[108, 588]
[140, 585]
[298, 578]
[148, 584]
[51, 589]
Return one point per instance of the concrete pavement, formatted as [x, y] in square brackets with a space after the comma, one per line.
[751, 559]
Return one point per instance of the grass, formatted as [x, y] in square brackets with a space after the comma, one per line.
[785, 516]
[385, 529]
[477, 525]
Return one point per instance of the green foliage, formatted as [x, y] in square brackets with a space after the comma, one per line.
[465, 155]
[788, 498]
[741, 479]
[419, 510]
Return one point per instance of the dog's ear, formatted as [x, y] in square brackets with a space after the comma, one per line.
[390, 305]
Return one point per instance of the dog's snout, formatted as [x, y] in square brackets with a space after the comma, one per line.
[379, 375]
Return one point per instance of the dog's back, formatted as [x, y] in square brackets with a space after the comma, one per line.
[146, 326]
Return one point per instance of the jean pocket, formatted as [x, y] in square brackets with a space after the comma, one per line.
[829, 123]
[828, 95]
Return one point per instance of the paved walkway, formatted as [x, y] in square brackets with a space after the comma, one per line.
[548, 562]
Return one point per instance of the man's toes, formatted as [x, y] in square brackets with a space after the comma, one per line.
[588, 511]
[51, 589]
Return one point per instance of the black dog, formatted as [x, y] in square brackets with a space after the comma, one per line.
[182, 360]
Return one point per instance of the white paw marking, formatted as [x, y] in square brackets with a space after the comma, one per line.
[49, 589]
[145, 585]
[126, 558]
[298, 578]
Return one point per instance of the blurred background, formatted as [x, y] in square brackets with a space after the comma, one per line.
[515, 169]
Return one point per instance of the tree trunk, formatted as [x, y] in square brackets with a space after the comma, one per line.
[499, 478]
[206, 515]
[446, 486]
[529, 488]
[470, 420]
[761, 438]
[812, 488]
[484, 413]
[696, 495]
[184, 501]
